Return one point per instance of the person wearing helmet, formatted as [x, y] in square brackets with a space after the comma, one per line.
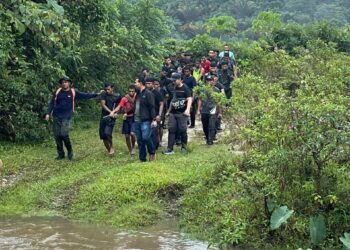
[61, 108]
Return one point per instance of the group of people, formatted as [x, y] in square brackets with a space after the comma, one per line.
[152, 104]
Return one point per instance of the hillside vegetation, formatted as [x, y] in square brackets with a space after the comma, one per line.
[187, 17]
[289, 115]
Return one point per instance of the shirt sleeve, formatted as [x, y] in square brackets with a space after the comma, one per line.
[84, 96]
[151, 105]
[103, 97]
[188, 92]
[160, 97]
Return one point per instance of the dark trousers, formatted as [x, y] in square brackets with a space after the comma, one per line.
[218, 123]
[228, 93]
[155, 136]
[177, 125]
[61, 133]
[143, 133]
[193, 112]
[209, 126]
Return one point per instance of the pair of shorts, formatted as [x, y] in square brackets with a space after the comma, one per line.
[128, 126]
[106, 128]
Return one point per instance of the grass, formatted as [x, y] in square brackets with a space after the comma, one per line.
[96, 188]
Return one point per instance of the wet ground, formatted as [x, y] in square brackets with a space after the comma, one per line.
[58, 233]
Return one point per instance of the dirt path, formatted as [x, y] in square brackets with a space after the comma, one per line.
[194, 134]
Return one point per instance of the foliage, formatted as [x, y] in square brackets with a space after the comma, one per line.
[221, 25]
[295, 110]
[89, 41]
[317, 229]
[119, 191]
[186, 15]
[280, 216]
[266, 22]
[200, 44]
[290, 115]
[346, 240]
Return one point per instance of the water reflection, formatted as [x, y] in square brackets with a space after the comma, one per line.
[58, 233]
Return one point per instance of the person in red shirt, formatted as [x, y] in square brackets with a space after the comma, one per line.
[205, 64]
[127, 104]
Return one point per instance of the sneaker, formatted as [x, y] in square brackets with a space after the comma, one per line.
[59, 157]
[70, 155]
[210, 143]
[168, 152]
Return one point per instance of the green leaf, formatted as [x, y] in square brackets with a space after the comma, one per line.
[317, 229]
[20, 26]
[346, 240]
[58, 8]
[280, 216]
[271, 205]
[22, 9]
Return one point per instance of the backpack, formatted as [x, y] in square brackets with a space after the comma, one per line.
[58, 91]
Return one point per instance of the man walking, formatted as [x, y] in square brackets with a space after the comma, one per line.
[159, 105]
[127, 104]
[61, 107]
[209, 110]
[225, 78]
[178, 112]
[227, 51]
[108, 102]
[191, 82]
[145, 119]
[162, 107]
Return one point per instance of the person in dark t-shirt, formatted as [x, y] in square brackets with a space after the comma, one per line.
[191, 82]
[208, 110]
[145, 120]
[225, 78]
[212, 57]
[109, 101]
[161, 112]
[178, 112]
[221, 88]
[158, 104]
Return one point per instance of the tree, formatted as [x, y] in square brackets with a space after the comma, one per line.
[266, 22]
[221, 25]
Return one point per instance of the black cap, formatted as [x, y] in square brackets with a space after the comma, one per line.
[175, 76]
[209, 78]
[64, 78]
